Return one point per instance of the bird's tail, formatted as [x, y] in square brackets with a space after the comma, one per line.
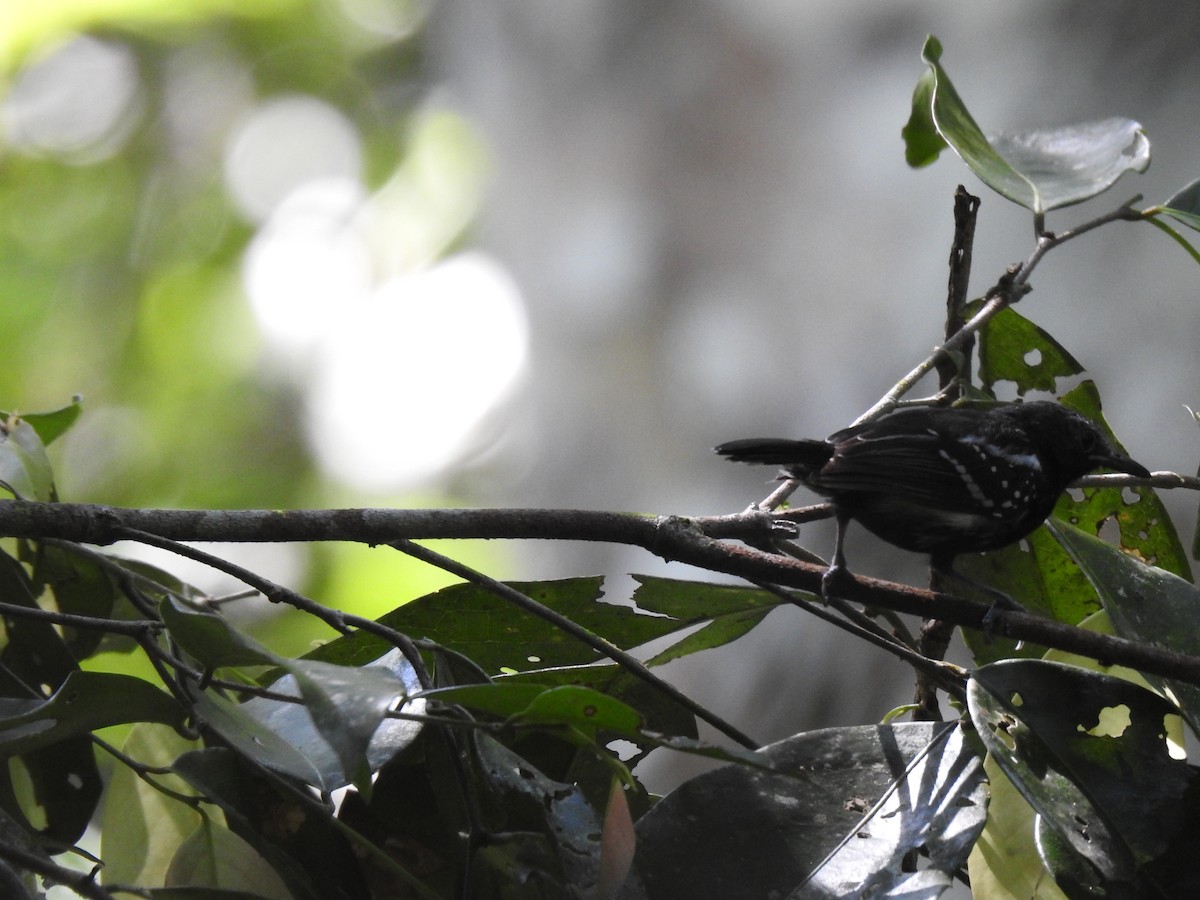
[804, 455]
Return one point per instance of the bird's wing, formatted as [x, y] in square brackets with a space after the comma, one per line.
[921, 469]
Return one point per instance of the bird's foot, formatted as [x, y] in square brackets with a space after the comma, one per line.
[1001, 602]
[834, 580]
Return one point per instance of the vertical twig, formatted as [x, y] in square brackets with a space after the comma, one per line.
[953, 374]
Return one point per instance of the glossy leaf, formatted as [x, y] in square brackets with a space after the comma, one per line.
[339, 732]
[256, 740]
[1041, 169]
[844, 807]
[563, 848]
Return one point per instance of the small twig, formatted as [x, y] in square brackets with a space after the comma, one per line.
[950, 676]
[132, 628]
[82, 883]
[341, 622]
[1013, 285]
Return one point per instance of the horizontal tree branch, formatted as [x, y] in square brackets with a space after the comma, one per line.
[701, 541]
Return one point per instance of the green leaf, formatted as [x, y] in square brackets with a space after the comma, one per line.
[1144, 524]
[24, 467]
[1183, 206]
[563, 844]
[142, 827]
[1144, 603]
[85, 701]
[1088, 753]
[339, 732]
[348, 706]
[730, 611]
[258, 741]
[1012, 348]
[1039, 169]
[51, 425]
[210, 639]
[81, 586]
[308, 851]
[214, 857]
[661, 715]
[498, 637]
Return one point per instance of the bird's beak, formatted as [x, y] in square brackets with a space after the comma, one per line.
[1119, 462]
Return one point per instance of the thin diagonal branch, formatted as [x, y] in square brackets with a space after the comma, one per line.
[627, 661]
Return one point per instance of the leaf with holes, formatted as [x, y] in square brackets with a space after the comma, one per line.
[1088, 752]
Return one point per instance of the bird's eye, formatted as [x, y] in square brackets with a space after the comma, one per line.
[1089, 441]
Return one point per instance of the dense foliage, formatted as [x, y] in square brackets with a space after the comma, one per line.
[481, 741]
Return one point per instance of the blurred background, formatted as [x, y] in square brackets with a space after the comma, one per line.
[533, 253]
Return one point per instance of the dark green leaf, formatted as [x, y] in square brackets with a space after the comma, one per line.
[1038, 169]
[209, 638]
[259, 741]
[565, 829]
[1144, 603]
[347, 705]
[499, 637]
[308, 851]
[1088, 753]
[34, 652]
[82, 587]
[86, 701]
[730, 611]
[742, 832]
[64, 784]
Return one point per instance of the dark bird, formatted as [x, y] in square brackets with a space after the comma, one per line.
[942, 480]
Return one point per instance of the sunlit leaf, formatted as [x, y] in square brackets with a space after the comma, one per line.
[51, 425]
[1014, 349]
[214, 857]
[142, 826]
